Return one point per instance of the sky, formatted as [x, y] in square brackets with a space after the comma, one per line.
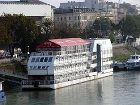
[56, 3]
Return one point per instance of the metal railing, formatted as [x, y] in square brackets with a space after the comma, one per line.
[41, 82]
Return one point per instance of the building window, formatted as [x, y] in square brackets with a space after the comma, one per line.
[61, 18]
[31, 67]
[79, 17]
[43, 67]
[46, 59]
[37, 59]
[85, 17]
[69, 25]
[50, 59]
[94, 61]
[42, 59]
[69, 18]
[47, 67]
[39, 67]
[33, 60]
[49, 53]
[75, 17]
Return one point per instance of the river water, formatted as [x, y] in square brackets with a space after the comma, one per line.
[123, 88]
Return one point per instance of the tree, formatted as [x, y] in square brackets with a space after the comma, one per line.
[5, 39]
[130, 25]
[66, 31]
[22, 29]
[101, 27]
[47, 28]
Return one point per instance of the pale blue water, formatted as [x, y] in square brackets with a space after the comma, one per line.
[123, 88]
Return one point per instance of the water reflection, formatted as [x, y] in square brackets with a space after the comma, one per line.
[89, 93]
[2, 103]
[121, 89]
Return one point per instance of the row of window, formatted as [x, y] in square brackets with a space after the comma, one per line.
[107, 51]
[69, 58]
[41, 59]
[38, 67]
[106, 67]
[59, 52]
[75, 18]
[71, 74]
[106, 59]
[49, 59]
[72, 66]
[70, 78]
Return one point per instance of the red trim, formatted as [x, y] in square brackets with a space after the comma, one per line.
[56, 43]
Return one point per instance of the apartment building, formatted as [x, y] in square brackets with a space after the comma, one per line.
[79, 18]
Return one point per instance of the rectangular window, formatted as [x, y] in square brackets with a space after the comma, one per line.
[61, 18]
[42, 59]
[39, 67]
[33, 60]
[79, 17]
[47, 67]
[37, 59]
[31, 67]
[46, 59]
[34, 67]
[75, 17]
[85, 17]
[49, 53]
[43, 67]
[50, 59]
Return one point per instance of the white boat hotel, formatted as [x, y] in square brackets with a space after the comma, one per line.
[63, 62]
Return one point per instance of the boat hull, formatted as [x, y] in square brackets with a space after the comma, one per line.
[134, 68]
[69, 83]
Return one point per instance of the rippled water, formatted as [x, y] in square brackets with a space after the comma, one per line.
[123, 88]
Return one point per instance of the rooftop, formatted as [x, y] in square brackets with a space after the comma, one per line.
[55, 43]
[23, 2]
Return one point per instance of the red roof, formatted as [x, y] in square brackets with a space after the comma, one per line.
[55, 43]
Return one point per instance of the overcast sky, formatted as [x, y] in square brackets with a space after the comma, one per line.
[57, 2]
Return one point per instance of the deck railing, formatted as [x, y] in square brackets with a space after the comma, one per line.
[41, 82]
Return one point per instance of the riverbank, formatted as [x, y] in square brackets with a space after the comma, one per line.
[13, 68]
[122, 53]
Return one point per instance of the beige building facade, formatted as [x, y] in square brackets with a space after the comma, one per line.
[79, 18]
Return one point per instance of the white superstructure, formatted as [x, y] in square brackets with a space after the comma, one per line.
[133, 63]
[63, 62]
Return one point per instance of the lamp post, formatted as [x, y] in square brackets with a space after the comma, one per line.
[99, 26]
[28, 50]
